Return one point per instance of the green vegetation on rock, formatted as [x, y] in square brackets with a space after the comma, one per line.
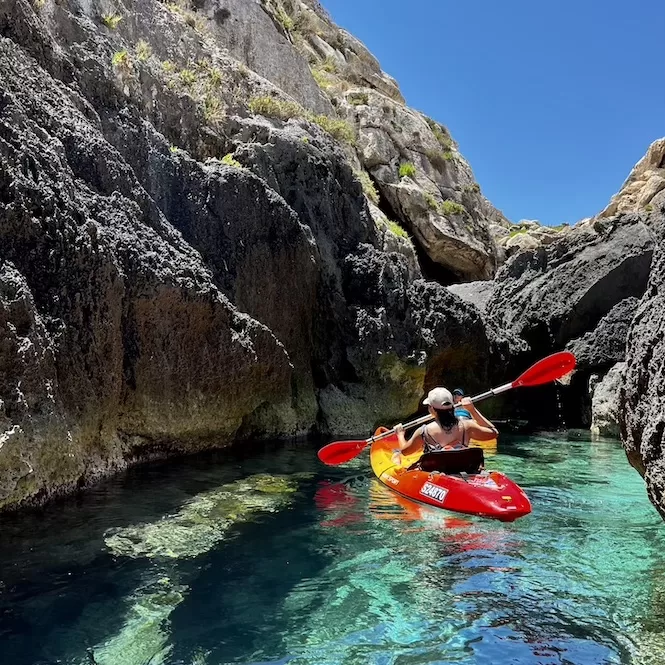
[271, 107]
[122, 62]
[111, 21]
[369, 188]
[358, 99]
[407, 170]
[284, 19]
[431, 201]
[187, 77]
[338, 129]
[441, 135]
[143, 50]
[438, 158]
[213, 111]
[285, 110]
[230, 160]
[394, 228]
[449, 207]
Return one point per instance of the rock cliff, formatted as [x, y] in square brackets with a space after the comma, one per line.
[202, 213]
[642, 416]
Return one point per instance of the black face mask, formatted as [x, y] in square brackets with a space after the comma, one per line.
[446, 418]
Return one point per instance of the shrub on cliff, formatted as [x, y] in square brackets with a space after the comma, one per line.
[271, 107]
[407, 170]
[449, 207]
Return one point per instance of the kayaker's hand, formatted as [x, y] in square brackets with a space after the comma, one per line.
[396, 458]
[399, 429]
[466, 401]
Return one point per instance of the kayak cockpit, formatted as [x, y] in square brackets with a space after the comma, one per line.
[466, 460]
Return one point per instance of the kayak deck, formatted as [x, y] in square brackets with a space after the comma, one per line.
[488, 494]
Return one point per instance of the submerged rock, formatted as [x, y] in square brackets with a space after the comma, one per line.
[204, 521]
[144, 637]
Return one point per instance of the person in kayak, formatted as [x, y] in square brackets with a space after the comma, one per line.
[460, 411]
[447, 431]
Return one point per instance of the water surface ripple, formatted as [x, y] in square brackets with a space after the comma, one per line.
[278, 559]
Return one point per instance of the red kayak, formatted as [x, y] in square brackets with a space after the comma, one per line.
[450, 480]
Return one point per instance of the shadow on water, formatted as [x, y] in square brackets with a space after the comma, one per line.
[59, 580]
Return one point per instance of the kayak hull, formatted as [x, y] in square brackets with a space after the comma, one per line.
[490, 494]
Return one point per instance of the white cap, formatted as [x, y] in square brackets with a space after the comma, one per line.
[439, 398]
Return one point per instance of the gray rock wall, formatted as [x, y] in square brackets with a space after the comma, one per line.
[642, 418]
[182, 266]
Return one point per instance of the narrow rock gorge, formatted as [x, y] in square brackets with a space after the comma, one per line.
[202, 208]
[221, 222]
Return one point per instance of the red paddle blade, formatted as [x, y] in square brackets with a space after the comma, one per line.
[339, 452]
[547, 370]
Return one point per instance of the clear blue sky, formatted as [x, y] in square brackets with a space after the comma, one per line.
[552, 102]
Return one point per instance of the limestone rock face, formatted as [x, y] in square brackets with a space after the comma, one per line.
[477, 293]
[103, 304]
[642, 417]
[554, 294]
[606, 403]
[606, 344]
[645, 182]
[428, 187]
[577, 291]
[254, 37]
[193, 252]
[422, 181]
[527, 235]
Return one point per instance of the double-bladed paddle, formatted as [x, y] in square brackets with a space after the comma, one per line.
[544, 371]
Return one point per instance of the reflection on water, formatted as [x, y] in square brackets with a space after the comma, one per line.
[278, 559]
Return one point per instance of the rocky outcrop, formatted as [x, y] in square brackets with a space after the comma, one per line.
[254, 36]
[477, 293]
[421, 334]
[416, 172]
[577, 291]
[103, 302]
[527, 235]
[645, 182]
[606, 402]
[192, 253]
[642, 418]
[554, 294]
[606, 344]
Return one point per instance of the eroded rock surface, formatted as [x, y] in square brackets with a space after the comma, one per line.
[645, 182]
[193, 252]
[606, 402]
[642, 417]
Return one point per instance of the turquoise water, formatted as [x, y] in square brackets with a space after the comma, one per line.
[279, 559]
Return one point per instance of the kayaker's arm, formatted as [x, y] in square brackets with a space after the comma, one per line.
[480, 428]
[412, 444]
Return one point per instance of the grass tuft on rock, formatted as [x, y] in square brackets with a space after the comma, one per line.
[450, 208]
[111, 21]
[271, 107]
[369, 188]
[230, 160]
[407, 170]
